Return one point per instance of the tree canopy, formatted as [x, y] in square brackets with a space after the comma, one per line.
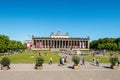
[105, 43]
[6, 44]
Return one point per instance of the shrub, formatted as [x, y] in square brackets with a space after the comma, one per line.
[5, 61]
[113, 60]
[39, 61]
[76, 60]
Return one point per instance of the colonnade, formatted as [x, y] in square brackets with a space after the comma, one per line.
[52, 43]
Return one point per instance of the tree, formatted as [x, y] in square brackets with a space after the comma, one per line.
[16, 45]
[3, 46]
[105, 43]
[101, 46]
[4, 40]
[94, 44]
[6, 44]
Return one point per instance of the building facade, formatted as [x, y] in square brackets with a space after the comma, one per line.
[58, 41]
[28, 43]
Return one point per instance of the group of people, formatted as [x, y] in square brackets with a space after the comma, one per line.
[95, 61]
[63, 60]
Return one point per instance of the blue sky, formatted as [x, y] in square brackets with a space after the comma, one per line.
[80, 18]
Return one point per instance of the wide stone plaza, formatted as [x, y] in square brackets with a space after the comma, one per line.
[56, 72]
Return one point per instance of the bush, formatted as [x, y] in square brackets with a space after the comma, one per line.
[76, 60]
[113, 60]
[5, 61]
[39, 61]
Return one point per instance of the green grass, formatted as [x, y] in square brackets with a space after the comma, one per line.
[102, 59]
[87, 52]
[50, 54]
[30, 57]
[114, 53]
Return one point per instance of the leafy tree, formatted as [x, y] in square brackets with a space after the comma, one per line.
[101, 46]
[105, 43]
[3, 46]
[94, 44]
[7, 44]
[3, 43]
[16, 45]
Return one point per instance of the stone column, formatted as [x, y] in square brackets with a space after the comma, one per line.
[41, 44]
[45, 43]
[62, 43]
[68, 44]
[71, 44]
[65, 44]
[56, 44]
[50, 43]
[76, 44]
[35, 43]
[59, 43]
[83, 44]
[79, 44]
[88, 44]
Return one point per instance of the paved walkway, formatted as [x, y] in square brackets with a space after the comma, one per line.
[57, 67]
[55, 72]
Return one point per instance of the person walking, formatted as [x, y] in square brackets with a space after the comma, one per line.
[97, 62]
[63, 61]
[118, 61]
[94, 61]
[83, 61]
[50, 61]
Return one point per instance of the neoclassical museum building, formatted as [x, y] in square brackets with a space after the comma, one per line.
[59, 42]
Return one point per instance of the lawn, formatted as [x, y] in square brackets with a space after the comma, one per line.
[30, 57]
[102, 59]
